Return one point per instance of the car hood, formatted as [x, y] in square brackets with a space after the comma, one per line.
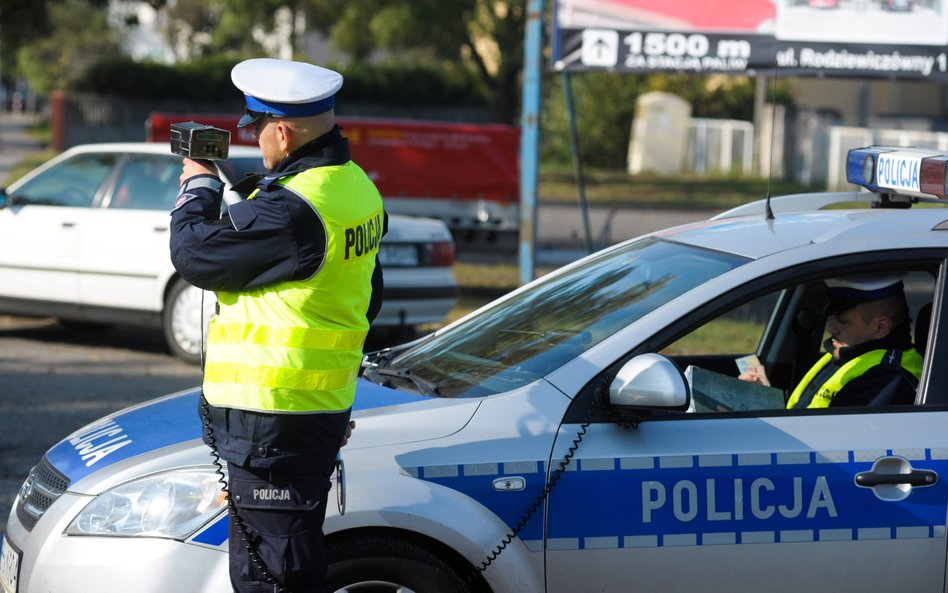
[173, 420]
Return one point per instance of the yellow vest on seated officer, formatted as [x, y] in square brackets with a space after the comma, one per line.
[870, 358]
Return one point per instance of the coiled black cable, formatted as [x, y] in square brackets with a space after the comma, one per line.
[545, 491]
[598, 402]
[258, 564]
[537, 501]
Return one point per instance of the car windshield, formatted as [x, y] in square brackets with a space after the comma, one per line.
[538, 330]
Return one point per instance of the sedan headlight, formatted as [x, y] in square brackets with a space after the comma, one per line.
[173, 505]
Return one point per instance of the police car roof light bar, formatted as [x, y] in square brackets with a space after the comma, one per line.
[861, 166]
[893, 170]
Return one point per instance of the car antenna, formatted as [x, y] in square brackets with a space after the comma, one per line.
[768, 211]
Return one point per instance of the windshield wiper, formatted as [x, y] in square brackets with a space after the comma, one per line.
[380, 376]
[383, 356]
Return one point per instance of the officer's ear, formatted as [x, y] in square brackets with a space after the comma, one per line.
[284, 135]
[883, 326]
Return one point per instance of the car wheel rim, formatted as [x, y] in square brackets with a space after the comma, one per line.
[374, 587]
[186, 319]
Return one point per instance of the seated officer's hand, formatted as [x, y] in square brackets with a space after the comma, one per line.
[755, 374]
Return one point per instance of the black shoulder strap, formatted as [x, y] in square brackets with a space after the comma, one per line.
[893, 360]
[246, 185]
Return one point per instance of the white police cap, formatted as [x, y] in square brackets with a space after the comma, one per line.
[848, 291]
[282, 88]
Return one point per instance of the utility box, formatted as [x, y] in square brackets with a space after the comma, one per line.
[659, 141]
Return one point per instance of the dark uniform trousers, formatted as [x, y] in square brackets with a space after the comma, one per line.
[282, 511]
[279, 469]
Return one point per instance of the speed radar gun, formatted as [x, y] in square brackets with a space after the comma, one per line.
[199, 141]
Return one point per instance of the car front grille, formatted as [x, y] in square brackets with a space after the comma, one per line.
[40, 490]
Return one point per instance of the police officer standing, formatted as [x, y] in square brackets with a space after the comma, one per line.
[298, 283]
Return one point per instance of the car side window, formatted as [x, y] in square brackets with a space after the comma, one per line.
[72, 183]
[147, 182]
[756, 355]
[736, 332]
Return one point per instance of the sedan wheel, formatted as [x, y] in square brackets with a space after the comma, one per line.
[386, 565]
[182, 320]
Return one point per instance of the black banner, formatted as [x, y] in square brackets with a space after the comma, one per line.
[649, 50]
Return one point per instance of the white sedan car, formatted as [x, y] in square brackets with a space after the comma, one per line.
[85, 238]
[570, 436]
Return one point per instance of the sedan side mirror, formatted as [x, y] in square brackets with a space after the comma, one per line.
[650, 382]
[4, 201]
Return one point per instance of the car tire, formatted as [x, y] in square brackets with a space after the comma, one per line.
[379, 564]
[181, 320]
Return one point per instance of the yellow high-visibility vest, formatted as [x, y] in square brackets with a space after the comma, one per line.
[296, 346]
[911, 362]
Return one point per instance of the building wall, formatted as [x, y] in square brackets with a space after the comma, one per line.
[858, 102]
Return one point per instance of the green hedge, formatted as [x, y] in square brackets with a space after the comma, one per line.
[209, 79]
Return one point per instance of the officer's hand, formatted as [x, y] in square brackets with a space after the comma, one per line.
[193, 167]
[349, 429]
[755, 374]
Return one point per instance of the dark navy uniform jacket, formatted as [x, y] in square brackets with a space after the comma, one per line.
[275, 237]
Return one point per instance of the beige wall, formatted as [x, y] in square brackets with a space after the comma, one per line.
[885, 97]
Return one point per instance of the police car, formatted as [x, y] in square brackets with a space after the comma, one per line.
[584, 433]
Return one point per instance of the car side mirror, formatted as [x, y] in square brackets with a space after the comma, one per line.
[650, 382]
[4, 201]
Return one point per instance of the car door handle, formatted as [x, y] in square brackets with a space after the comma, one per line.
[160, 229]
[916, 477]
[68, 224]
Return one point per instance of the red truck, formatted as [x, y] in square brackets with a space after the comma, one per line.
[465, 174]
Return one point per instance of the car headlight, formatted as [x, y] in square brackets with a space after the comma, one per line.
[173, 505]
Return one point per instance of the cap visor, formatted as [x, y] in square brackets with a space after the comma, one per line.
[840, 306]
[248, 118]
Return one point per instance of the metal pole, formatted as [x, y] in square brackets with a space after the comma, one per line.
[577, 160]
[530, 137]
[761, 168]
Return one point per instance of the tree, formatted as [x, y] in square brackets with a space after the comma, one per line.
[19, 21]
[59, 58]
[189, 27]
[486, 35]
[605, 107]
[22, 23]
[256, 24]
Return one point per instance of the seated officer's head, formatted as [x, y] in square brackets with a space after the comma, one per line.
[864, 308]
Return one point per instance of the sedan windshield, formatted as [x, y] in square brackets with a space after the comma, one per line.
[545, 326]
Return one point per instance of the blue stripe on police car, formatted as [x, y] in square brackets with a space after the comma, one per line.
[164, 422]
[708, 500]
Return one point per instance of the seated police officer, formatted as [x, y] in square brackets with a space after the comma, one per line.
[870, 358]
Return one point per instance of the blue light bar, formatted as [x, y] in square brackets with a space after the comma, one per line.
[893, 170]
[861, 166]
